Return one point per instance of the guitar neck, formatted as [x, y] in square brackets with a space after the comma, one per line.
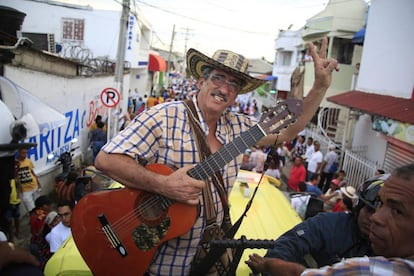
[271, 121]
[227, 153]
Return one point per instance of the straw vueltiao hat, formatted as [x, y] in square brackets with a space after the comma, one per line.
[225, 60]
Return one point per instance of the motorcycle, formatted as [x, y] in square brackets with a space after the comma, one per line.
[65, 160]
[69, 172]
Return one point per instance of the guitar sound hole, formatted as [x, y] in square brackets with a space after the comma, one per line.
[149, 209]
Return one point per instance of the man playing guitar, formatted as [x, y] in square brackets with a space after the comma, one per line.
[163, 135]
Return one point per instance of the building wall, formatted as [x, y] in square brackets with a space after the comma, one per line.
[77, 98]
[287, 41]
[101, 35]
[341, 81]
[387, 66]
[101, 27]
[341, 18]
[365, 136]
[137, 81]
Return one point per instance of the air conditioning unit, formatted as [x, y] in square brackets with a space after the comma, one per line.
[42, 41]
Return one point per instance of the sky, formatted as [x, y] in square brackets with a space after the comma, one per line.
[246, 27]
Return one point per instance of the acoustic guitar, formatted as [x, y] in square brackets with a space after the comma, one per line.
[118, 231]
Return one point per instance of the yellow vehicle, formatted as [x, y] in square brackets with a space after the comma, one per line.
[269, 216]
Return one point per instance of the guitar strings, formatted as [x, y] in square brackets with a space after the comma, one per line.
[123, 223]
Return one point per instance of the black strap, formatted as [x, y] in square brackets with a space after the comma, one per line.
[214, 253]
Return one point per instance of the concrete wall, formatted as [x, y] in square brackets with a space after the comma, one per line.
[101, 35]
[77, 98]
[341, 81]
[287, 41]
[365, 136]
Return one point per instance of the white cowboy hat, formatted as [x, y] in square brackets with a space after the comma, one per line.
[349, 191]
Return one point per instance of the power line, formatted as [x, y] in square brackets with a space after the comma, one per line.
[203, 21]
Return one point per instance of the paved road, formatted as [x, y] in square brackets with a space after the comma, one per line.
[25, 234]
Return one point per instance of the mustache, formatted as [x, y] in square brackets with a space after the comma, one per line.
[218, 93]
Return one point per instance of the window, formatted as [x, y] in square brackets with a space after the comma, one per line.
[285, 58]
[73, 29]
[345, 50]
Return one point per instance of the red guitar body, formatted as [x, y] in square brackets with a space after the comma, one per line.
[118, 231]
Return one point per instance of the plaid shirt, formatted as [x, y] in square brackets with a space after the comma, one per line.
[162, 134]
[366, 266]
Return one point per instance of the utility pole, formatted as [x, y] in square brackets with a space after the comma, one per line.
[187, 32]
[119, 67]
[169, 57]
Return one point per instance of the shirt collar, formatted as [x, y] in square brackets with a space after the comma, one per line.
[221, 131]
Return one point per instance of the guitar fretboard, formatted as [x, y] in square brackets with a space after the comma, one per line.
[226, 153]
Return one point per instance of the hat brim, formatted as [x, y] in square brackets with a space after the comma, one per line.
[348, 194]
[197, 61]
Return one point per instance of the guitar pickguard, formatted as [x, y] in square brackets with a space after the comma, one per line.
[147, 237]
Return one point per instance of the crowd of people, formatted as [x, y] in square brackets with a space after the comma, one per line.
[49, 225]
[372, 240]
[376, 220]
[163, 134]
[336, 195]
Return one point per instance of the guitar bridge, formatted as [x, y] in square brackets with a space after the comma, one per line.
[112, 236]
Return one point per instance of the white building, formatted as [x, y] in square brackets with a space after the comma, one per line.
[90, 36]
[288, 46]
[77, 63]
[379, 112]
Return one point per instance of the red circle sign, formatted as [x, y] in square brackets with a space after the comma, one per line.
[110, 97]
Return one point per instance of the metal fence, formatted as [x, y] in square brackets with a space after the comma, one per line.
[323, 140]
[358, 168]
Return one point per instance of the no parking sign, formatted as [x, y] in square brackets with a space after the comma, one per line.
[110, 97]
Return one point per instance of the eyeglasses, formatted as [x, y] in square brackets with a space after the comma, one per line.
[219, 80]
[65, 214]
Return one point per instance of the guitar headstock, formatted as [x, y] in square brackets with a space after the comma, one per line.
[280, 116]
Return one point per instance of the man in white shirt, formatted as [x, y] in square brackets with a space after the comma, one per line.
[258, 157]
[134, 97]
[309, 150]
[61, 231]
[315, 161]
[328, 170]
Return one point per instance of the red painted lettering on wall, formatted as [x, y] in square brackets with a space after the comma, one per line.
[95, 110]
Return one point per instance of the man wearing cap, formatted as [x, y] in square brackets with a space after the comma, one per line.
[328, 237]
[52, 219]
[163, 134]
[346, 203]
[334, 194]
[390, 232]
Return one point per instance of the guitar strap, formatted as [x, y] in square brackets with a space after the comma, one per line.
[204, 151]
[205, 258]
